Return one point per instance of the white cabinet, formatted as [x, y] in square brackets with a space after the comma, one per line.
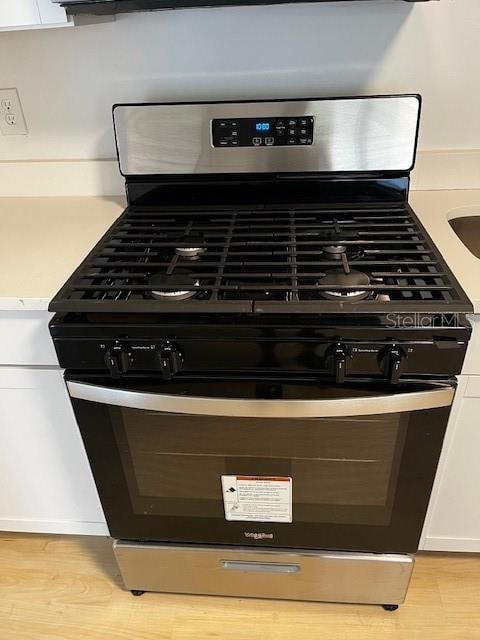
[45, 480]
[25, 339]
[28, 14]
[471, 366]
[51, 13]
[19, 13]
[453, 519]
[46, 485]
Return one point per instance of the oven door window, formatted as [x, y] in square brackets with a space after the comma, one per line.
[342, 469]
[159, 473]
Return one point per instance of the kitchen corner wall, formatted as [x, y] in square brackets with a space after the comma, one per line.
[69, 78]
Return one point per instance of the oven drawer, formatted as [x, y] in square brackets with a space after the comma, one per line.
[299, 575]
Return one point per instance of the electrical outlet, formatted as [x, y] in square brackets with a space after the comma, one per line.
[12, 120]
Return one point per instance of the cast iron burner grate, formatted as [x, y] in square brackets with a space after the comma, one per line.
[265, 260]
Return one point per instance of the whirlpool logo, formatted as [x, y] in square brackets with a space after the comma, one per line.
[258, 536]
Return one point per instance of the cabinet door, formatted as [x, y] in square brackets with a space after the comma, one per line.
[453, 519]
[18, 13]
[25, 339]
[51, 13]
[45, 480]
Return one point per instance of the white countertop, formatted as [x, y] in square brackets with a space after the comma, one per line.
[45, 239]
[434, 209]
[43, 242]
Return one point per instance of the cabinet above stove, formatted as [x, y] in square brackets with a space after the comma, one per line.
[109, 7]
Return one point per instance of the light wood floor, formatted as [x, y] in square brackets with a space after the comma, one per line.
[68, 588]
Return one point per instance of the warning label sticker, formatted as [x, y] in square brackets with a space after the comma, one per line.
[257, 498]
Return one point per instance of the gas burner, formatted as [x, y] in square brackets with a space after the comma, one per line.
[335, 251]
[340, 278]
[342, 253]
[191, 252]
[179, 286]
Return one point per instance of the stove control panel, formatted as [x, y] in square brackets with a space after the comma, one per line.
[336, 361]
[338, 357]
[169, 358]
[121, 357]
[118, 359]
[263, 132]
[393, 362]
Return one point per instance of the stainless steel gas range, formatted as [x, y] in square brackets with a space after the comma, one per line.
[261, 352]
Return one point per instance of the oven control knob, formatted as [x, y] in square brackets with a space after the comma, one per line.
[336, 361]
[392, 362]
[170, 358]
[118, 360]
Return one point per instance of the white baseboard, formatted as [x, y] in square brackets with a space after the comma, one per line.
[465, 545]
[49, 526]
[450, 169]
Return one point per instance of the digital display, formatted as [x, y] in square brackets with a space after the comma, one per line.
[262, 131]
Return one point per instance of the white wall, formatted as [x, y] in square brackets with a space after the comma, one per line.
[69, 78]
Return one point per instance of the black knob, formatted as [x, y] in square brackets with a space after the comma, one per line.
[170, 359]
[118, 360]
[392, 362]
[336, 361]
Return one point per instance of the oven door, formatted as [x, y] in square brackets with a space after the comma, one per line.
[284, 463]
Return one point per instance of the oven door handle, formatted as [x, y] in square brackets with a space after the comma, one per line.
[244, 408]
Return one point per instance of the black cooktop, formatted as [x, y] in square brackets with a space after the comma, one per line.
[264, 259]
